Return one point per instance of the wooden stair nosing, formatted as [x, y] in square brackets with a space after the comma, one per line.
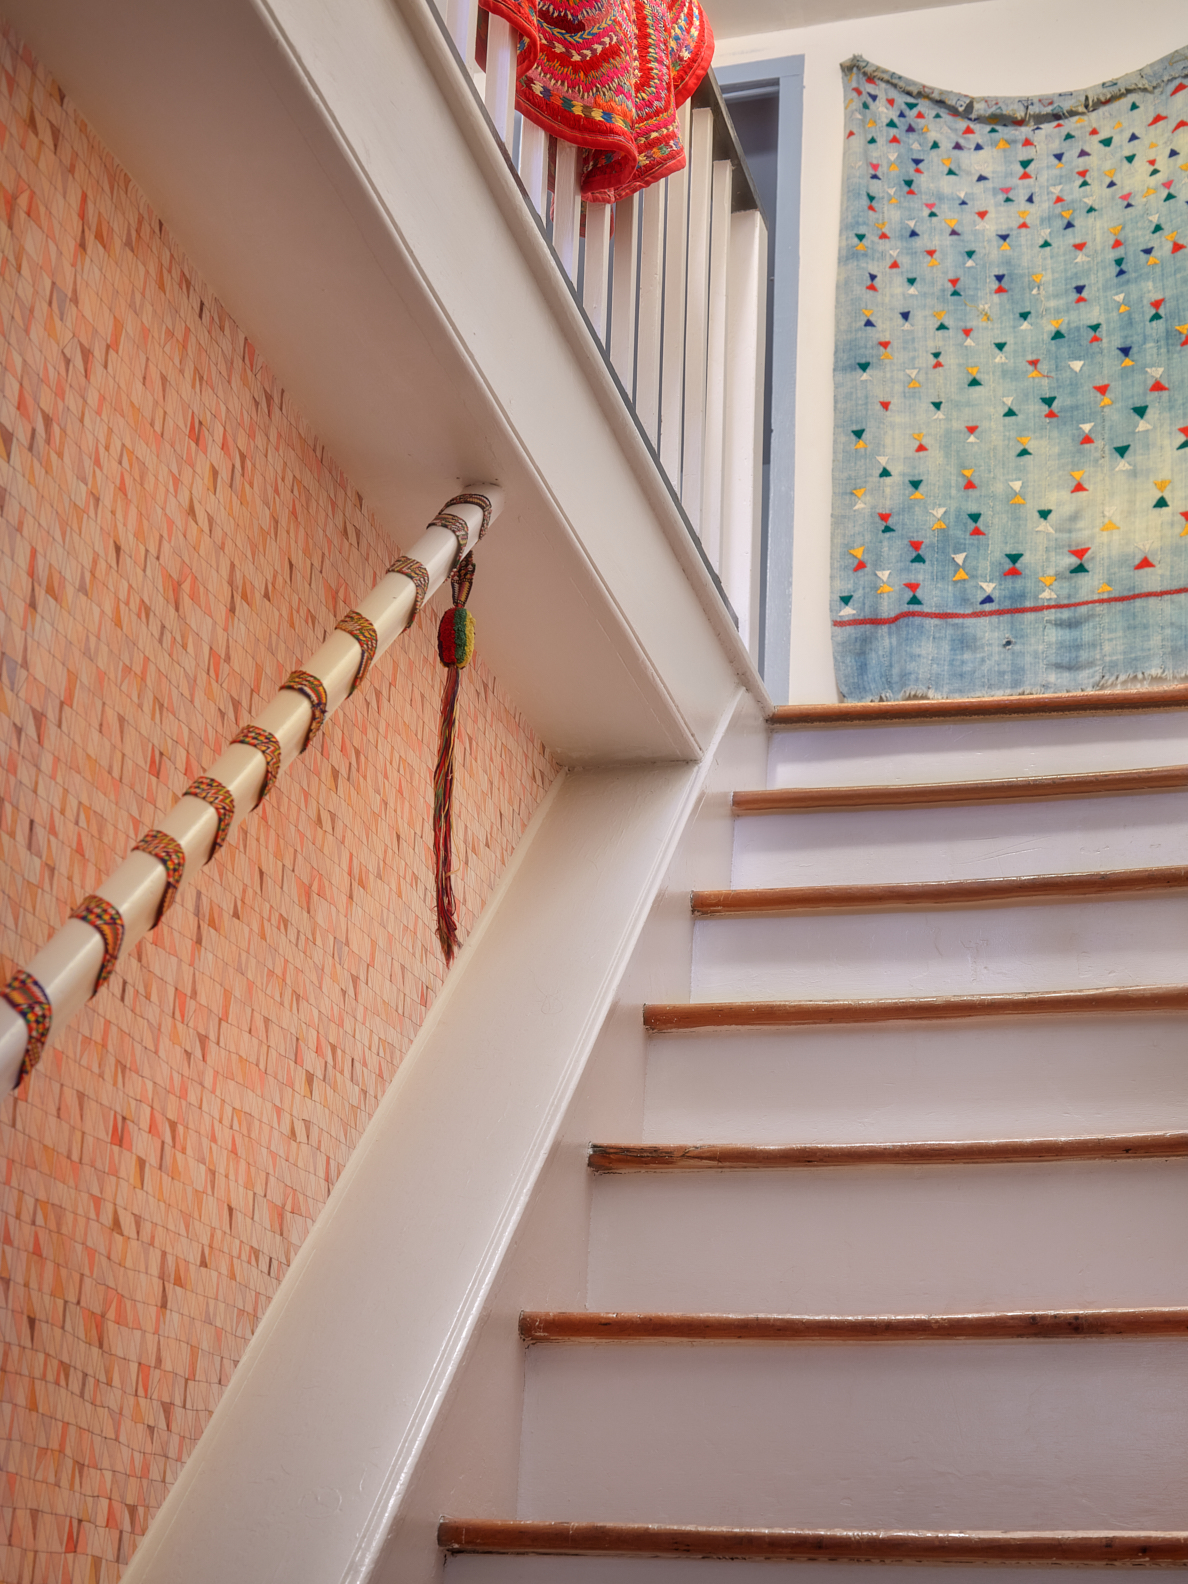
[788, 901]
[596, 1326]
[959, 794]
[943, 1152]
[1003, 1548]
[1115, 701]
[669, 1017]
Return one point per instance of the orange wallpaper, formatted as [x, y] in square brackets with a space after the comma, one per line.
[173, 540]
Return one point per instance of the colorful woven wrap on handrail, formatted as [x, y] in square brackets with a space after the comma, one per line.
[170, 853]
[469, 498]
[362, 630]
[418, 575]
[313, 691]
[458, 526]
[269, 745]
[216, 794]
[610, 77]
[29, 1001]
[108, 922]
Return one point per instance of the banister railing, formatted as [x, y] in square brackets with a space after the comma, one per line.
[72, 966]
[673, 282]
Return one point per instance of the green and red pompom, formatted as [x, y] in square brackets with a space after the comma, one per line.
[455, 637]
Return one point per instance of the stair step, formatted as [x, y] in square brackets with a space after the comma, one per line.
[861, 847]
[664, 1016]
[991, 1078]
[945, 1152]
[789, 901]
[1038, 947]
[955, 794]
[1002, 1548]
[978, 1434]
[1117, 701]
[600, 1326]
[964, 1237]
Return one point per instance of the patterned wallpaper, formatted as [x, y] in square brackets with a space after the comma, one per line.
[173, 540]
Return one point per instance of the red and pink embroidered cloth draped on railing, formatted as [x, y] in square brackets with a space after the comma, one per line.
[610, 77]
[611, 116]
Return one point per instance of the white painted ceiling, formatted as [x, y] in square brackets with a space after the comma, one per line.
[735, 18]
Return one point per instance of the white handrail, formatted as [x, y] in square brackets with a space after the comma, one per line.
[67, 967]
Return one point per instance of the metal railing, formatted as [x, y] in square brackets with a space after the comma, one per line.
[674, 284]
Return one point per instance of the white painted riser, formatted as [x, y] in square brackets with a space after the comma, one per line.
[973, 751]
[1070, 946]
[905, 1240]
[1080, 1434]
[685, 1570]
[1009, 1079]
[894, 846]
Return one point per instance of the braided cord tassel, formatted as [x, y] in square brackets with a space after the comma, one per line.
[455, 649]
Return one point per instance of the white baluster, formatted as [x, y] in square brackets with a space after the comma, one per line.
[624, 284]
[534, 163]
[567, 202]
[651, 288]
[715, 380]
[461, 19]
[596, 280]
[742, 491]
[701, 164]
[672, 385]
[500, 88]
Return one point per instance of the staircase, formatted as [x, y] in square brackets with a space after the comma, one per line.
[898, 1271]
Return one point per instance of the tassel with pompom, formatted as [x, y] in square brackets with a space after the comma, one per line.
[455, 649]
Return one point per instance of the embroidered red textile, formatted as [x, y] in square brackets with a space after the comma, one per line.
[609, 75]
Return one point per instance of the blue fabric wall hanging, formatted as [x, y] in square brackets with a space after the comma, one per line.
[1011, 389]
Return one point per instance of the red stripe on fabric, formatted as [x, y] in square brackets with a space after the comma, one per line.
[1003, 610]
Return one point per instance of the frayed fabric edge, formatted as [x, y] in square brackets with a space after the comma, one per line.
[1037, 109]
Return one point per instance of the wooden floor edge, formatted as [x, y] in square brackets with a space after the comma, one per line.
[595, 1326]
[788, 901]
[971, 1548]
[957, 794]
[661, 1017]
[946, 1152]
[1107, 702]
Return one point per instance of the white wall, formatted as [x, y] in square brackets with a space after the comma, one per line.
[993, 47]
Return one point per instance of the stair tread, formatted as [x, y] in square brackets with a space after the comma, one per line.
[1115, 701]
[1086, 1548]
[782, 901]
[676, 1016]
[942, 794]
[614, 1326]
[942, 1152]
